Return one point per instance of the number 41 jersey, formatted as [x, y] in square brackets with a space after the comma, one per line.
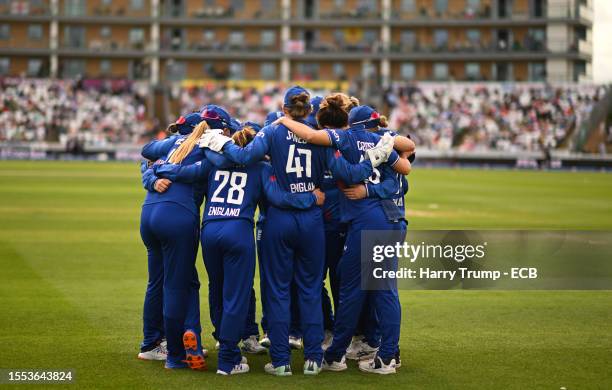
[298, 165]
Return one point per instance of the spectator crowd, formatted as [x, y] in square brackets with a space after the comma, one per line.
[466, 117]
[511, 118]
[63, 111]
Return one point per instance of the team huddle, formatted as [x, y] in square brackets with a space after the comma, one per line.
[320, 172]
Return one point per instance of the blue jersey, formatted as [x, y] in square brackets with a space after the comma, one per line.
[236, 191]
[402, 182]
[353, 143]
[299, 166]
[187, 195]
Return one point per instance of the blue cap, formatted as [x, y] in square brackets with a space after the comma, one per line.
[218, 118]
[311, 119]
[185, 124]
[293, 91]
[253, 125]
[364, 117]
[271, 117]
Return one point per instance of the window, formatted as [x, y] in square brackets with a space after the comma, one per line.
[209, 35]
[236, 38]
[268, 38]
[74, 36]
[107, 3]
[441, 6]
[440, 39]
[339, 35]
[537, 71]
[369, 36]
[105, 67]
[105, 32]
[473, 5]
[472, 71]
[136, 35]
[367, 5]
[5, 66]
[339, 4]
[136, 4]
[408, 39]
[408, 5]
[339, 71]
[236, 71]
[440, 71]
[209, 69]
[35, 32]
[73, 68]
[308, 70]
[237, 5]
[5, 31]
[74, 7]
[176, 70]
[473, 36]
[408, 71]
[34, 67]
[268, 71]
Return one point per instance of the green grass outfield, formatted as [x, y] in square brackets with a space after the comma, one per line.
[73, 275]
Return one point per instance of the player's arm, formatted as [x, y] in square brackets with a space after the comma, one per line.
[184, 173]
[278, 197]
[345, 171]
[157, 149]
[148, 176]
[217, 159]
[305, 132]
[150, 181]
[404, 144]
[399, 165]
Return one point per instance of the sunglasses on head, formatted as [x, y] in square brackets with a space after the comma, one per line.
[375, 115]
[206, 114]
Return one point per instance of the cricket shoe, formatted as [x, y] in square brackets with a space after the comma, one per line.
[378, 366]
[252, 345]
[241, 368]
[311, 367]
[159, 352]
[278, 371]
[362, 351]
[355, 345]
[327, 341]
[335, 365]
[193, 355]
[295, 342]
[265, 341]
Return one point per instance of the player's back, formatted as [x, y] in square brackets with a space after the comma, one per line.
[188, 195]
[233, 192]
[353, 143]
[298, 165]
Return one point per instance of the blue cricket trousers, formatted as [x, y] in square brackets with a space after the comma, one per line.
[334, 246]
[170, 233]
[229, 257]
[353, 298]
[293, 251]
[294, 329]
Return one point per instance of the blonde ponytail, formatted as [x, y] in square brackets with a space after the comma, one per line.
[187, 146]
[244, 136]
